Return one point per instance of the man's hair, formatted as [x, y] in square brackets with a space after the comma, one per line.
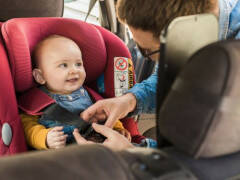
[154, 15]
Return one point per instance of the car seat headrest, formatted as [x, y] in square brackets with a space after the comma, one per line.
[22, 34]
[30, 8]
[200, 115]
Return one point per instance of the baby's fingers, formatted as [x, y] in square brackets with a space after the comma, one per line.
[60, 144]
[56, 134]
[57, 128]
[60, 138]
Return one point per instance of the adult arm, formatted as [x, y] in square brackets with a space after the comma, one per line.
[145, 94]
[140, 99]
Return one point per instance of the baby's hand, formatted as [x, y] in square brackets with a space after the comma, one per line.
[125, 133]
[56, 138]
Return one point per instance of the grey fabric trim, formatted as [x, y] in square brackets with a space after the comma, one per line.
[72, 162]
[30, 8]
[219, 168]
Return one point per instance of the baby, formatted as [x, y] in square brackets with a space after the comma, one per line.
[59, 70]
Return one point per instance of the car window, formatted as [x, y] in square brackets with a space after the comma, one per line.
[78, 9]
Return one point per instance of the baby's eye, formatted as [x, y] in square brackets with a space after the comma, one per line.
[78, 64]
[63, 65]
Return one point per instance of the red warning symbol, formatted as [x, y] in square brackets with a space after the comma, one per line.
[121, 64]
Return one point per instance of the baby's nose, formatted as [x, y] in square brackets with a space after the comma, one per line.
[73, 70]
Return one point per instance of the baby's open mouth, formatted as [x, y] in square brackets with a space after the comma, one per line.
[72, 80]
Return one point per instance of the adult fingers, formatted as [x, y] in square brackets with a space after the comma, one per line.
[128, 136]
[93, 120]
[125, 133]
[111, 120]
[90, 112]
[120, 131]
[101, 116]
[98, 118]
[104, 130]
[78, 137]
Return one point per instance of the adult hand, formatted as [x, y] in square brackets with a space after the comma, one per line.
[114, 140]
[111, 109]
[124, 132]
[56, 138]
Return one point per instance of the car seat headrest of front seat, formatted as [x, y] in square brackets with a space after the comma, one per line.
[201, 114]
[30, 8]
[21, 36]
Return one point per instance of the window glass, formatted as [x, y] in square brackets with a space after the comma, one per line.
[78, 9]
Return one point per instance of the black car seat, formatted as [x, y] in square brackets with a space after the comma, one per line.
[200, 113]
[30, 8]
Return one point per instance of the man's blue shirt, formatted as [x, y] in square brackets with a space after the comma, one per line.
[229, 28]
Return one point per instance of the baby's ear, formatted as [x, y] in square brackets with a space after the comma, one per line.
[37, 74]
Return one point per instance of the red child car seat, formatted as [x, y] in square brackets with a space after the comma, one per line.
[99, 48]
[11, 131]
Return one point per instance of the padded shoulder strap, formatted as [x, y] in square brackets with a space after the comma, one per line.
[33, 101]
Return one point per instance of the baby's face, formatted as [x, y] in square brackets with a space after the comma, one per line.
[60, 61]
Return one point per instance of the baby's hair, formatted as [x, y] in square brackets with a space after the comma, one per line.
[40, 45]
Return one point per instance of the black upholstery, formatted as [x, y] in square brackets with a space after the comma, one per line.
[201, 106]
[220, 168]
[30, 8]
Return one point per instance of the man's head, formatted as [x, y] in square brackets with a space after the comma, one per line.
[146, 18]
[58, 64]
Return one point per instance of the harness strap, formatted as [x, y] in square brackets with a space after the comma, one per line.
[63, 116]
[33, 101]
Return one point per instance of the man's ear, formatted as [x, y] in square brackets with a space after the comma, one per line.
[37, 74]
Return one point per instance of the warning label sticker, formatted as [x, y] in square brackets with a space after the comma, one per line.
[121, 63]
[121, 75]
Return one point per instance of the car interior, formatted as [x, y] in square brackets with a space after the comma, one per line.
[201, 86]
